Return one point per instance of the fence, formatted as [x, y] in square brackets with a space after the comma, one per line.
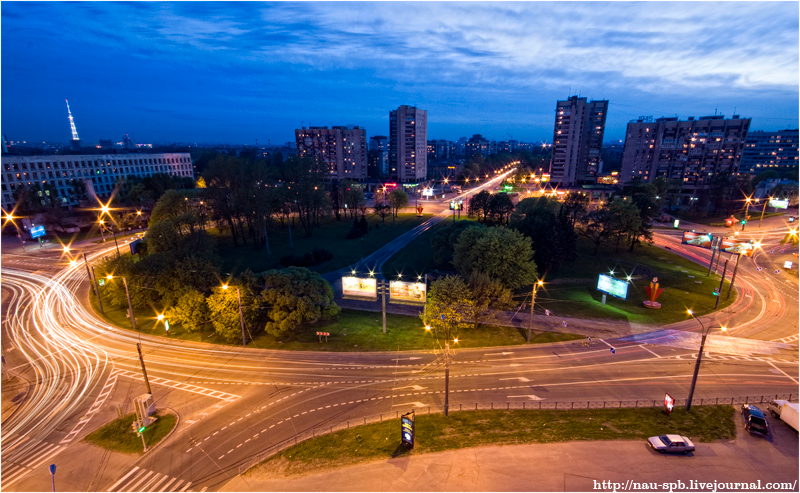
[477, 406]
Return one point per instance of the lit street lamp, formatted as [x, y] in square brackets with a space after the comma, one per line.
[536, 286]
[746, 210]
[699, 357]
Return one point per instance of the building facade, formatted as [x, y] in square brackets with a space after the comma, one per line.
[378, 156]
[477, 144]
[439, 150]
[408, 144]
[577, 141]
[692, 151]
[100, 172]
[341, 150]
[769, 150]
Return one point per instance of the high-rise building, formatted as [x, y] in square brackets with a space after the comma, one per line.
[769, 150]
[692, 151]
[577, 140]
[342, 150]
[439, 150]
[379, 150]
[477, 144]
[408, 149]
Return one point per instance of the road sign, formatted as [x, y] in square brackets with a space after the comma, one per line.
[166, 325]
[676, 223]
[407, 429]
[326, 334]
[669, 403]
[564, 323]
[37, 231]
[613, 351]
[787, 264]
[101, 282]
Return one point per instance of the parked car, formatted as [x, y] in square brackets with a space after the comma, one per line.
[788, 412]
[754, 420]
[671, 443]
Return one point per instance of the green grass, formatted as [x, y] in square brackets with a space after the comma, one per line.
[331, 236]
[719, 219]
[673, 271]
[118, 436]
[435, 433]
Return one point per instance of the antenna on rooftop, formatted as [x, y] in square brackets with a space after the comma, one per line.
[76, 141]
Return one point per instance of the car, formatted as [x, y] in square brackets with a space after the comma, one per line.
[671, 443]
[754, 420]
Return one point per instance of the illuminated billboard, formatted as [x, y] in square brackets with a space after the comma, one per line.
[406, 292]
[779, 203]
[739, 247]
[456, 205]
[614, 287]
[702, 240]
[358, 288]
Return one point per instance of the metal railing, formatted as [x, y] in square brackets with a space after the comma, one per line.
[499, 406]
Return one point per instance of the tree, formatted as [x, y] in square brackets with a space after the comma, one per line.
[597, 226]
[479, 205]
[549, 226]
[575, 204]
[644, 196]
[443, 241]
[625, 220]
[448, 305]
[501, 208]
[295, 296]
[171, 205]
[486, 292]
[398, 199]
[382, 209]
[223, 306]
[501, 253]
[191, 310]
[354, 198]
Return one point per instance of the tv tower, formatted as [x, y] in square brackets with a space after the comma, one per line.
[76, 141]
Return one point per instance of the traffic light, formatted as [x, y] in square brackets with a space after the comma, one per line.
[141, 430]
[744, 221]
[716, 292]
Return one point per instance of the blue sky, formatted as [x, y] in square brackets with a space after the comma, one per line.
[237, 72]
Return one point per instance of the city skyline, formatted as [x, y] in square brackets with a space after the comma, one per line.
[237, 72]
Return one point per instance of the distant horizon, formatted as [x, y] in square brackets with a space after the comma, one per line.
[241, 71]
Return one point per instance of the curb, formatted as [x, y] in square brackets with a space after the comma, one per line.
[177, 423]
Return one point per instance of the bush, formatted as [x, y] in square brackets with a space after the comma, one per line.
[316, 257]
[356, 231]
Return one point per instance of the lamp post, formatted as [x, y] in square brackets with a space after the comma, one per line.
[241, 315]
[763, 211]
[10, 217]
[536, 286]
[699, 357]
[746, 210]
[115, 241]
[102, 227]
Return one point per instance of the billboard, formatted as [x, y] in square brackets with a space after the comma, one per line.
[37, 231]
[702, 240]
[457, 205]
[614, 287]
[427, 192]
[669, 403]
[358, 288]
[738, 247]
[406, 292]
[407, 429]
[779, 203]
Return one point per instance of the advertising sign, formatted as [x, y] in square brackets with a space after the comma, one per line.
[427, 192]
[37, 231]
[739, 247]
[406, 292]
[702, 240]
[779, 203]
[457, 205]
[358, 288]
[787, 264]
[407, 429]
[669, 403]
[676, 223]
[614, 287]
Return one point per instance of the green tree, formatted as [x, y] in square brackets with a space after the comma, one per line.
[479, 205]
[398, 199]
[486, 293]
[448, 305]
[443, 241]
[501, 253]
[597, 225]
[501, 208]
[223, 306]
[625, 220]
[191, 310]
[645, 197]
[295, 296]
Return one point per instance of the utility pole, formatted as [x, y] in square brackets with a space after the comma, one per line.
[144, 372]
[93, 282]
[447, 372]
[763, 211]
[533, 300]
[733, 278]
[383, 302]
[96, 288]
[130, 309]
[241, 316]
[746, 210]
[115, 242]
[714, 243]
[721, 282]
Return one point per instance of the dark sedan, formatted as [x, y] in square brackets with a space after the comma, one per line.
[754, 420]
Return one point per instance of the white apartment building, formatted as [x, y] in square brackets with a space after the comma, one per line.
[99, 171]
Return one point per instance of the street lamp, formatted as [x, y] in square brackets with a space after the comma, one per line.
[536, 286]
[746, 210]
[241, 316]
[699, 356]
[10, 217]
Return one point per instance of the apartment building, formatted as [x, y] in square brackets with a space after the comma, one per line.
[408, 139]
[769, 150]
[577, 141]
[342, 150]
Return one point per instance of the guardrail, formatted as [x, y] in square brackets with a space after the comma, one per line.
[500, 406]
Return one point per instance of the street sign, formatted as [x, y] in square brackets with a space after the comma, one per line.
[37, 231]
[613, 351]
[676, 223]
[101, 282]
[166, 325]
[669, 403]
[407, 429]
[52, 468]
[326, 334]
[787, 264]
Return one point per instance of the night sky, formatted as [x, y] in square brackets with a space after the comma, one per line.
[237, 72]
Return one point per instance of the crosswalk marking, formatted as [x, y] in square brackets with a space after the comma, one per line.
[98, 403]
[26, 459]
[143, 480]
[123, 478]
[182, 386]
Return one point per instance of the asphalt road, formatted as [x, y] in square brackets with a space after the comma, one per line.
[234, 403]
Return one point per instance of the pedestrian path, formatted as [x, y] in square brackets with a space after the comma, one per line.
[139, 479]
[33, 455]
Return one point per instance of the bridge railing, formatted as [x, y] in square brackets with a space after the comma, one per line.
[492, 405]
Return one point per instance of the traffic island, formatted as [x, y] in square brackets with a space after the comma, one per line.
[436, 433]
[119, 436]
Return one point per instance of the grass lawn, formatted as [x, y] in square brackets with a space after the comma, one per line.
[435, 432]
[331, 236]
[719, 219]
[118, 436]
[581, 299]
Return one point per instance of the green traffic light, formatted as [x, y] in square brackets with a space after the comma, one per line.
[744, 221]
[142, 429]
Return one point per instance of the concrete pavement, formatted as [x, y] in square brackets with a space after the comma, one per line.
[571, 466]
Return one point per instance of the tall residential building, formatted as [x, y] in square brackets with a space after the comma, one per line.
[379, 149]
[769, 150]
[439, 150]
[692, 151]
[342, 150]
[577, 140]
[100, 172]
[477, 144]
[408, 144]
